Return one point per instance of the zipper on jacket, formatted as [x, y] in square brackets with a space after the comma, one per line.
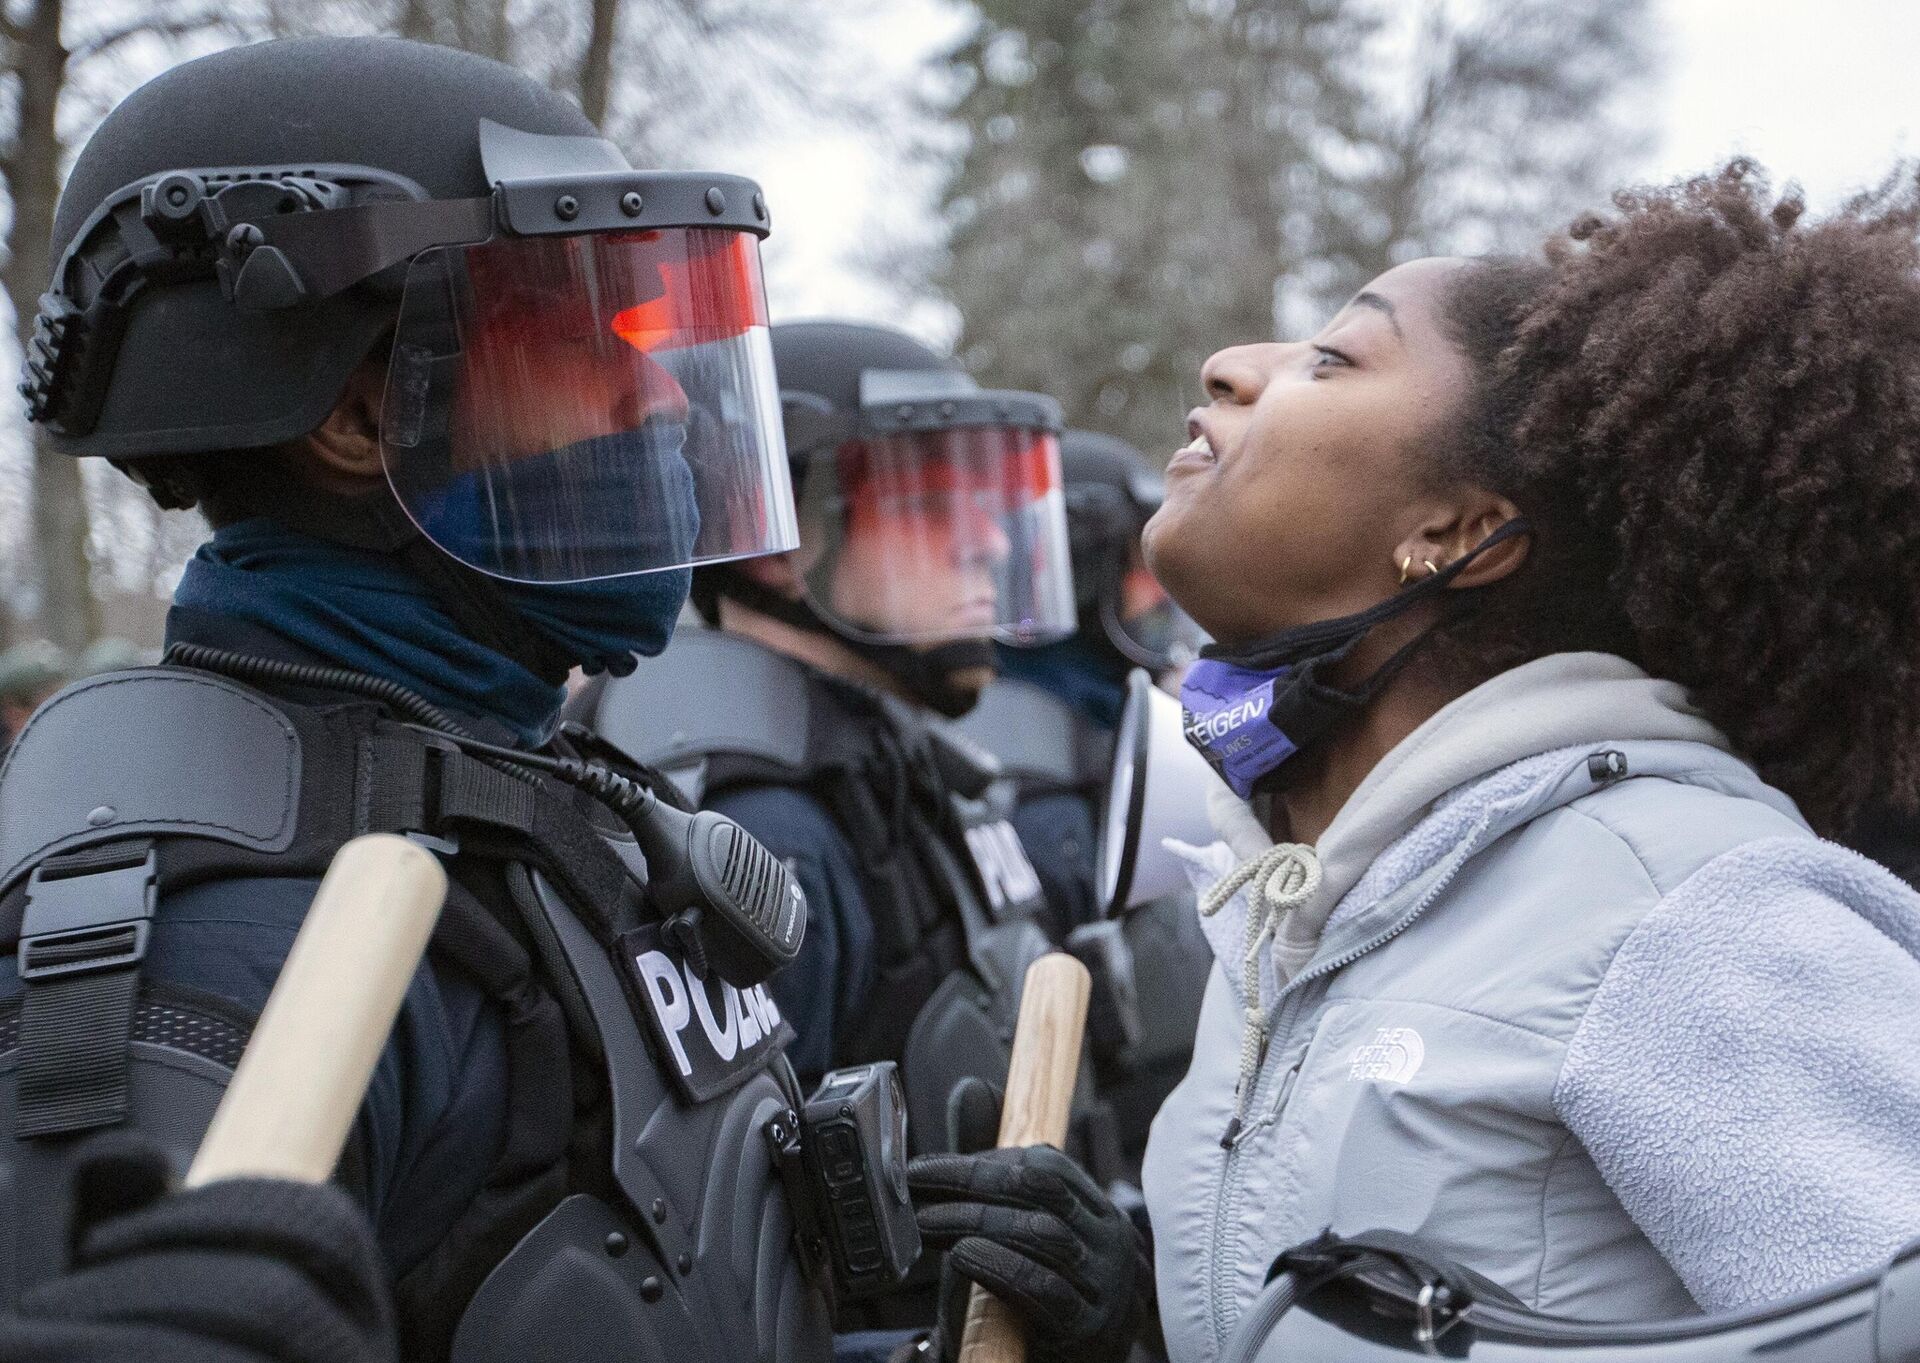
[1226, 1235]
[1286, 1009]
[1234, 1124]
[1287, 1082]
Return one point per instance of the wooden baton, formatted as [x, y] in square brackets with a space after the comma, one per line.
[1046, 1061]
[305, 1070]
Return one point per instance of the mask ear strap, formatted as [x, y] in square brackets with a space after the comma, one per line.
[1347, 629]
[1435, 581]
[1519, 525]
[1404, 654]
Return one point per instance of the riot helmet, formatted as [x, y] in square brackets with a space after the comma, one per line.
[932, 514]
[933, 508]
[579, 379]
[1111, 491]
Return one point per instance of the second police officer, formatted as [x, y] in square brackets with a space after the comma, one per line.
[1050, 717]
[463, 396]
[814, 712]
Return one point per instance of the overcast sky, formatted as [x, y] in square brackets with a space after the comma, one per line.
[1822, 91]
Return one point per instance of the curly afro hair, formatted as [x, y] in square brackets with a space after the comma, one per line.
[1708, 405]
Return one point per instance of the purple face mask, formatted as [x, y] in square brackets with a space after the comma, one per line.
[1251, 710]
[1227, 720]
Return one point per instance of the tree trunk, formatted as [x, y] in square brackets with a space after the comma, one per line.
[596, 63]
[69, 615]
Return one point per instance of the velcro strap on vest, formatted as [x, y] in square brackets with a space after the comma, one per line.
[83, 936]
[411, 783]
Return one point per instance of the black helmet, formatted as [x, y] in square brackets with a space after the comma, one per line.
[1112, 490]
[245, 230]
[931, 511]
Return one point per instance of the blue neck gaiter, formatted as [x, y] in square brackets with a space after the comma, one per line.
[1086, 675]
[363, 611]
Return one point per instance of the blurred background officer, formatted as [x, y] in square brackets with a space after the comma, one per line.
[932, 524]
[1050, 719]
[463, 396]
[1050, 716]
[29, 673]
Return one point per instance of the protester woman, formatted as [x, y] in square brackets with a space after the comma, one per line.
[1564, 607]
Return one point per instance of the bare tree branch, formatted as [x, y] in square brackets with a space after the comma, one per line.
[183, 27]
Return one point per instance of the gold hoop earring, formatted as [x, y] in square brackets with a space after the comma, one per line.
[1406, 569]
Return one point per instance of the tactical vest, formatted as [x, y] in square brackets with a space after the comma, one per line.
[1046, 745]
[633, 1210]
[953, 897]
[1150, 968]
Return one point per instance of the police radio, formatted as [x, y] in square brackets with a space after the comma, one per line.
[730, 906]
[844, 1158]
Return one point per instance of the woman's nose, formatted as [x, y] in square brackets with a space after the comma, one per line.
[1239, 373]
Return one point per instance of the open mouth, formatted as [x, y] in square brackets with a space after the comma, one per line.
[1197, 453]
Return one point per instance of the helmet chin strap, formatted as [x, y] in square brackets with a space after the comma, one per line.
[377, 523]
[926, 674]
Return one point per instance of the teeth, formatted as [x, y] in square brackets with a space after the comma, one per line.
[1198, 445]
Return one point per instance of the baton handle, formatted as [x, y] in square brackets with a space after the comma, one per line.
[305, 1070]
[1046, 1061]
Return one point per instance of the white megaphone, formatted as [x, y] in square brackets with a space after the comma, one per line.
[1159, 790]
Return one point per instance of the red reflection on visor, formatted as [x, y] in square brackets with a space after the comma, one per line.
[710, 290]
[1008, 465]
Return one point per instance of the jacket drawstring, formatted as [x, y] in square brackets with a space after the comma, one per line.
[1278, 881]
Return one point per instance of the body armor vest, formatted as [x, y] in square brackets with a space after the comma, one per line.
[954, 899]
[625, 1216]
[1149, 968]
[1046, 745]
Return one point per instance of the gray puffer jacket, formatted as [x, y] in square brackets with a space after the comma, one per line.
[1577, 995]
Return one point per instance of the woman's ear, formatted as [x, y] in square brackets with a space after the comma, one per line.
[1455, 530]
[343, 455]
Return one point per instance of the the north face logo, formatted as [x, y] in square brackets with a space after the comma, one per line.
[1392, 1057]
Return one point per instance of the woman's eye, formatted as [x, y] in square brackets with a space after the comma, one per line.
[1324, 358]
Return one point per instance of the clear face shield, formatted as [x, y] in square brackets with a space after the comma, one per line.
[568, 408]
[1143, 623]
[1136, 615]
[920, 537]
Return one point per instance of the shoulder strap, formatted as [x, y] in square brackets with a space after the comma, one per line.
[222, 780]
[152, 752]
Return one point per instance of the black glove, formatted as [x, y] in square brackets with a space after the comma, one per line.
[1031, 1227]
[246, 1271]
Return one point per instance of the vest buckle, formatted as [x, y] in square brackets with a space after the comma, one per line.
[89, 911]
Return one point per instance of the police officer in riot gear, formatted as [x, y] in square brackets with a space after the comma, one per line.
[1050, 717]
[463, 396]
[1051, 714]
[931, 525]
